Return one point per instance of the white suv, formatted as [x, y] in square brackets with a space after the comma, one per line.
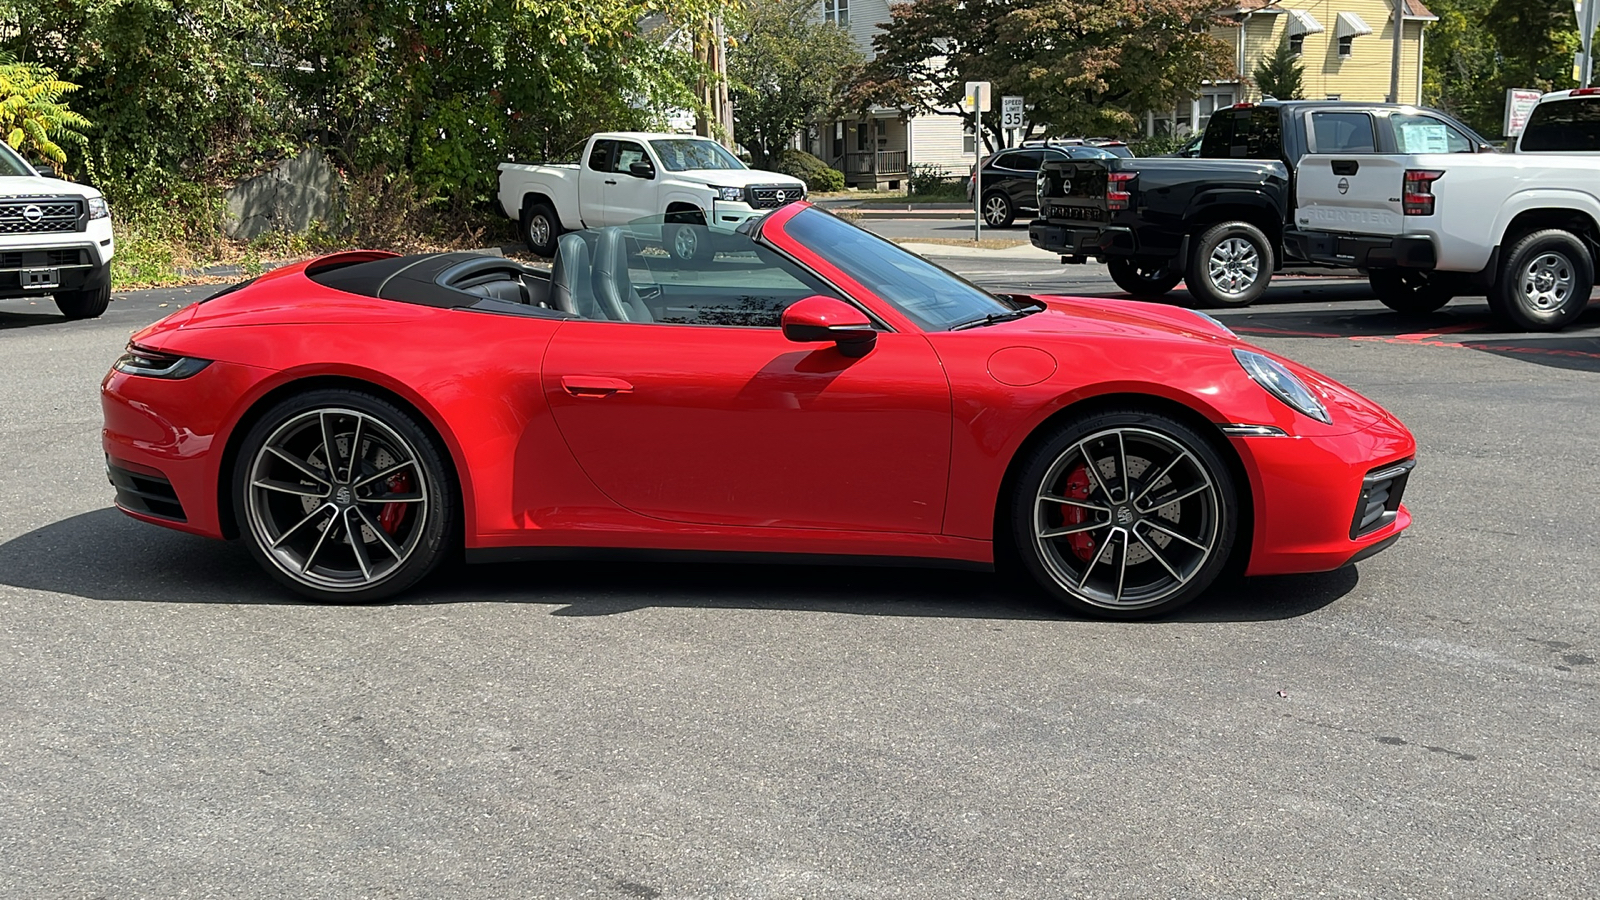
[55, 238]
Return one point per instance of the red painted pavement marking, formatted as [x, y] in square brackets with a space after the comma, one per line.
[1422, 339]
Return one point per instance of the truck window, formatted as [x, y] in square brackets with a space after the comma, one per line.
[1425, 134]
[1251, 132]
[1563, 125]
[600, 156]
[1342, 132]
[628, 153]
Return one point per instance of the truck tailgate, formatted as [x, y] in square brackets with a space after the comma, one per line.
[1073, 191]
[1354, 193]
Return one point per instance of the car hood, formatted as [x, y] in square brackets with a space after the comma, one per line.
[1127, 318]
[33, 186]
[741, 177]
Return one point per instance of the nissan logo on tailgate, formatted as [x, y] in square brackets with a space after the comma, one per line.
[32, 212]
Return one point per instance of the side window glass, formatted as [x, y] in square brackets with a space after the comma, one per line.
[628, 153]
[1026, 161]
[1425, 134]
[1342, 132]
[600, 156]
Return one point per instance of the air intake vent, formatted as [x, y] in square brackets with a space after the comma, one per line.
[1379, 501]
[148, 494]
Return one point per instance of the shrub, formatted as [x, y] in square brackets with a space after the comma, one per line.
[1160, 145]
[814, 172]
[930, 180]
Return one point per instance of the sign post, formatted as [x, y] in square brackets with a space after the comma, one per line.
[1588, 13]
[977, 100]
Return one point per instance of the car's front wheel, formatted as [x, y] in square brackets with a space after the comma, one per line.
[1145, 279]
[89, 304]
[343, 496]
[1125, 514]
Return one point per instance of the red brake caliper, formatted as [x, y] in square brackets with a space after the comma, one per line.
[393, 514]
[1077, 488]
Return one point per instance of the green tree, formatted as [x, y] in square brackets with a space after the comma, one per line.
[785, 68]
[1480, 48]
[1279, 75]
[33, 117]
[1084, 66]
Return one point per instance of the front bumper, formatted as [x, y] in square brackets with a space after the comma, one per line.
[1323, 502]
[727, 216]
[1361, 251]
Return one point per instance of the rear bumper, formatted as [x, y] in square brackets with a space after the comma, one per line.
[1361, 251]
[1083, 240]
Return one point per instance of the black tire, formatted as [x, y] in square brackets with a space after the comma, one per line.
[89, 304]
[1230, 266]
[686, 236]
[1545, 282]
[1174, 550]
[540, 229]
[998, 210]
[1145, 279]
[1412, 292]
[406, 522]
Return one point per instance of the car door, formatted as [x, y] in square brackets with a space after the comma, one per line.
[704, 413]
[631, 196]
[594, 180]
[1345, 184]
[1023, 173]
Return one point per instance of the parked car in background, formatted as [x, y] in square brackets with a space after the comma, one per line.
[1009, 179]
[1222, 223]
[55, 239]
[1190, 148]
[1430, 220]
[624, 176]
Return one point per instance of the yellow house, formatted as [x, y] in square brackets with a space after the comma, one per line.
[1346, 53]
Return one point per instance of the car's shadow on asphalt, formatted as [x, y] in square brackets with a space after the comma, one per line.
[103, 555]
[10, 320]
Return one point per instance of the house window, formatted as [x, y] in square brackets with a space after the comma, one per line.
[1347, 45]
[969, 143]
[1297, 43]
[836, 12]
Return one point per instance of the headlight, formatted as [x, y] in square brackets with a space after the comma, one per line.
[1217, 323]
[730, 194]
[1282, 383]
[98, 208]
[154, 364]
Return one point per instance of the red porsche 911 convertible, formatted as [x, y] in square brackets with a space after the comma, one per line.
[806, 392]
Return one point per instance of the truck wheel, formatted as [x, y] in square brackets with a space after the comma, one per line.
[1411, 292]
[686, 236]
[1545, 282]
[89, 304]
[1144, 278]
[1231, 265]
[997, 210]
[540, 228]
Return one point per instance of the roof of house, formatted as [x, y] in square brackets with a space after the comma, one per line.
[1414, 9]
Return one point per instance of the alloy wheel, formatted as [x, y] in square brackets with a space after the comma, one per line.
[685, 242]
[337, 499]
[538, 230]
[1126, 518]
[996, 211]
[1234, 265]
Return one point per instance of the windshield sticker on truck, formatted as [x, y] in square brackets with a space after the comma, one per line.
[1423, 137]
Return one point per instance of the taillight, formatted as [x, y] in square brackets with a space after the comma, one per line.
[1417, 193]
[139, 360]
[1119, 190]
[1584, 92]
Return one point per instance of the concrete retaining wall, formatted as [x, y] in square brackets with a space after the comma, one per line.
[294, 194]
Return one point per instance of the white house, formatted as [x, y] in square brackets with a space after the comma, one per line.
[882, 148]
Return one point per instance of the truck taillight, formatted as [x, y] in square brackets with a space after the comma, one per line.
[1417, 193]
[1584, 92]
[1119, 192]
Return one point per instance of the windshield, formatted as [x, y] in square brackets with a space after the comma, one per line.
[1563, 125]
[928, 295]
[680, 155]
[11, 163]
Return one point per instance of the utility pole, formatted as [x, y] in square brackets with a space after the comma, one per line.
[1394, 62]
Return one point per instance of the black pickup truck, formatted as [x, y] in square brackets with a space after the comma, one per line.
[1222, 222]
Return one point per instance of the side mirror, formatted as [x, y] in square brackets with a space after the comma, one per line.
[642, 169]
[821, 318]
[46, 171]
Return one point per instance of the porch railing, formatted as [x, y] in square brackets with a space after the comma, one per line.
[875, 162]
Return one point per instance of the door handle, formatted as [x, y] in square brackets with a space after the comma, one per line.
[611, 182]
[1345, 166]
[594, 386]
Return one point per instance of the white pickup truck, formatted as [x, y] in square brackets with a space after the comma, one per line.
[1429, 219]
[55, 238]
[626, 176]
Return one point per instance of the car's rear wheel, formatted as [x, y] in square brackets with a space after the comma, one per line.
[1145, 279]
[1125, 514]
[343, 496]
[1231, 265]
[540, 229]
[998, 212]
[1412, 292]
[1546, 282]
[89, 304]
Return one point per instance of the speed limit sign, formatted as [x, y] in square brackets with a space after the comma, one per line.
[1010, 112]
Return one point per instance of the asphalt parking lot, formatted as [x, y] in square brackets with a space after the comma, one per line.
[1426, 724]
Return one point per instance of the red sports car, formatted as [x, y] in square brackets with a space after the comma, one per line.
[807, 392]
